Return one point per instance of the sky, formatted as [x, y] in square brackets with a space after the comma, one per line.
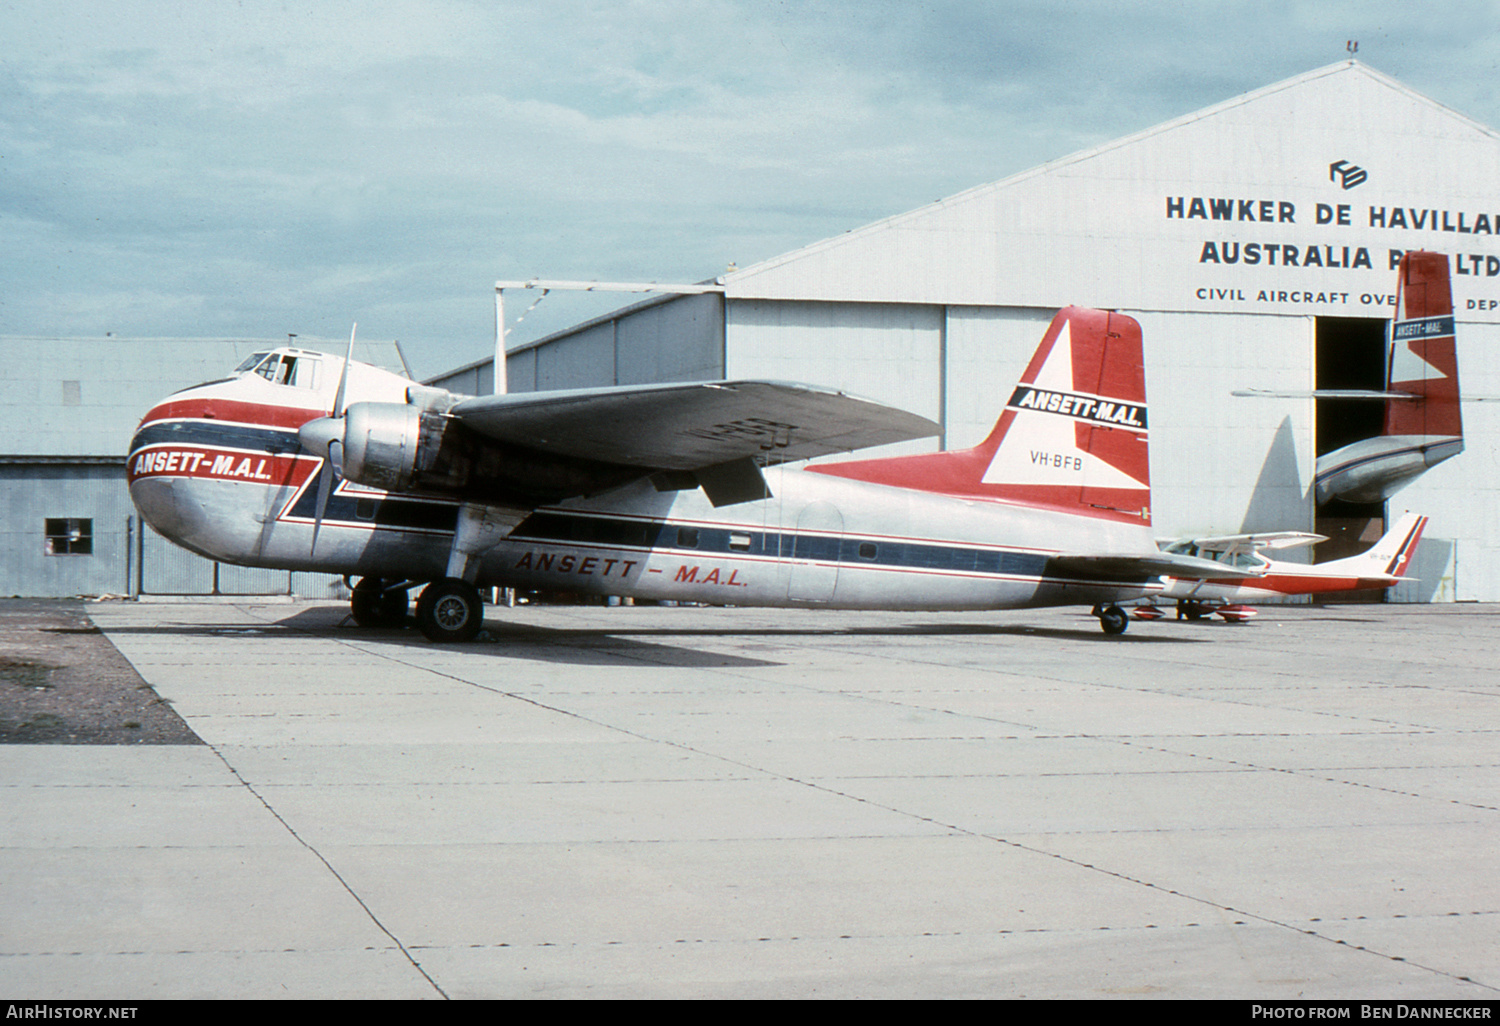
[253, 169]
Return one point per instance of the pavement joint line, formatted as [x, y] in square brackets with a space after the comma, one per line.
[1319, 773]
[330, 867]
[1271, 921]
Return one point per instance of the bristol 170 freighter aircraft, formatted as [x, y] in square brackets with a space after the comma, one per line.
[304, 461]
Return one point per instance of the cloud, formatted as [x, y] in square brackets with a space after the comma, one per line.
[265, 167]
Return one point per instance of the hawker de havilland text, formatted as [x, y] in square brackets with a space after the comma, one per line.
[304, 461]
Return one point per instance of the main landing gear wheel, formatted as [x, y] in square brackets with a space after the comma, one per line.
[1187, 609]
[376, 604]
[450, 610]
[1112, 619]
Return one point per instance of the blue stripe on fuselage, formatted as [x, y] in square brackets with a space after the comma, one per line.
[225, 436]
[558, 528]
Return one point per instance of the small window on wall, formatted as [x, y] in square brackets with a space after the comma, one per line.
[69, 536]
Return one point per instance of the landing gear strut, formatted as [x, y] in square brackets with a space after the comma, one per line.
[377, 602]
[450, 610]
[1112, 619]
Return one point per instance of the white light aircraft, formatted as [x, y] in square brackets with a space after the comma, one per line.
[1382, 566]
[304, 461]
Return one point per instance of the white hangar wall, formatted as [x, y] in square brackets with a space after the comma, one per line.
[1459, 559]
[1229, 234]
[1219, 464]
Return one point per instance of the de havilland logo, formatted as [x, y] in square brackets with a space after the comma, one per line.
[1346, 174]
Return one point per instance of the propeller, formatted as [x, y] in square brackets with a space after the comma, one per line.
[325, 435]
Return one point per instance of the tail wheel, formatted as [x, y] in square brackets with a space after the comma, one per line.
[1113, 620]
[375, 605]
[450, 610]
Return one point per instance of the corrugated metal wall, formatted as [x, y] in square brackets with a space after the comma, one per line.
[29, 496]
[680, 339]
[883, 351]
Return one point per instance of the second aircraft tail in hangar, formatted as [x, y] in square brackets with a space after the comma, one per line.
[1422, 426]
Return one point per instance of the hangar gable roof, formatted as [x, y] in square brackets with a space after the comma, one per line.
[1305, 163]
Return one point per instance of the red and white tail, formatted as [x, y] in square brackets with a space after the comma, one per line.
[1072, 437]
[1388, 558]
[1422, 359]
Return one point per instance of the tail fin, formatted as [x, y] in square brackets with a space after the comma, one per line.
[1400, 544]
[1388, 557]
[1422, 358]
[1073, 436]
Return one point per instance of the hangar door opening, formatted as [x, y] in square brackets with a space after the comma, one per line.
[1350, 354]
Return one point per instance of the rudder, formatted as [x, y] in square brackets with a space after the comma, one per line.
[1422, 357]
[1073, 435]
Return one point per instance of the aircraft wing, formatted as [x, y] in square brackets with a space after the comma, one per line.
[1232, 543]
[1146, 566]
[1320, 393]
[693, 426]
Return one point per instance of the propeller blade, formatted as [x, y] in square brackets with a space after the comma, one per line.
[325, 434]
[338, 397]
[332, 467]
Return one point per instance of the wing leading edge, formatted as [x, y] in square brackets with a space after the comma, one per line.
[691, 426]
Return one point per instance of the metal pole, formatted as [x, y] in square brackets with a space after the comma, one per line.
[500, 376]
[140, 561]
[129, 547]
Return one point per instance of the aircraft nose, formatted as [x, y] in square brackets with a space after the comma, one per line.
[165, 504]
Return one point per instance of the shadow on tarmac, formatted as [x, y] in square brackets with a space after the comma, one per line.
[632, 645]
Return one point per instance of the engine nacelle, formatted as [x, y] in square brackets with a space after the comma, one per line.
[416, 446]
[381, 441]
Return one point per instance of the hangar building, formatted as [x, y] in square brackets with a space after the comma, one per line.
[68, 408]
[1256, 243]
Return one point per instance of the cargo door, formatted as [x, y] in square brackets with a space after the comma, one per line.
[815, 553]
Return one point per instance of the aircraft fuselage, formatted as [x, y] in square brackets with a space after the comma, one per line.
[219, 470]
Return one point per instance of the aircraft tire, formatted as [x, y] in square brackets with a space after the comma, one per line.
[374, 606]
[1191, 610]
[450, 610]
[1112, 620]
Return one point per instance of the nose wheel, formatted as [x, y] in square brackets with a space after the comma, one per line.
[450, 610]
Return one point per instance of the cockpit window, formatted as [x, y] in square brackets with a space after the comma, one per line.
[295, 369]
[300, 371]
[250, 362]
